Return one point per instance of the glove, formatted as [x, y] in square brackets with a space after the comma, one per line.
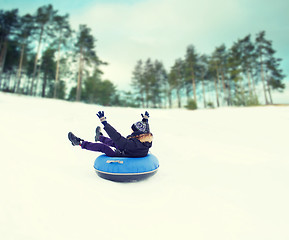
[145, 117]
[102, 118]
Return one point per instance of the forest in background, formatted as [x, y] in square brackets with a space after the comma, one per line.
[41, 55]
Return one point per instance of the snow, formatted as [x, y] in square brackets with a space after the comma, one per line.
[223, 174]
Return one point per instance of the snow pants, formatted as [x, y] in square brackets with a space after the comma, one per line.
[104, 147]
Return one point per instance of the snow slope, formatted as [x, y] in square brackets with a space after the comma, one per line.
[223, 174]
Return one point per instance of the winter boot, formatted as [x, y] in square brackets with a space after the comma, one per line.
[97, 134]
[74, 140]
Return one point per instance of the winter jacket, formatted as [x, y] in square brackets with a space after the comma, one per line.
[130, 146]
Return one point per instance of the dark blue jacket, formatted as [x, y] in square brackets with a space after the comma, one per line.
[129, 147]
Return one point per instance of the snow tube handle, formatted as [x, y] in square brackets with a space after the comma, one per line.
[114, 161]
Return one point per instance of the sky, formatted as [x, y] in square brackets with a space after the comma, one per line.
[132, 30]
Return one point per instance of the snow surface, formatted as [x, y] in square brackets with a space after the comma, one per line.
[223, 174]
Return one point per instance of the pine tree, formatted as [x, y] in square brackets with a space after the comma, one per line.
[203, 69]
[8, 23]
[86, 54]
[159, 84]
[10, 67]
[274, 76]
[47, 68]
[148, 79]
[176, 79]
[44, 19]
[213, 75]
[235, 70]
[137, 82]
[23, 34]
[219, 60]
[98, 91]
[271, 74]
[191, 61]
[64, 32]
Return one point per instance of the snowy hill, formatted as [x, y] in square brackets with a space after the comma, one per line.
[223, 174]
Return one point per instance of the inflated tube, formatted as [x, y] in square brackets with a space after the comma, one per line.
[123, 169]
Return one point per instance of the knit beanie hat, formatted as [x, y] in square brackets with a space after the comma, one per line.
[141, 127]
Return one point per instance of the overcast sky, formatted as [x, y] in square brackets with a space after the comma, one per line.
[129, 30]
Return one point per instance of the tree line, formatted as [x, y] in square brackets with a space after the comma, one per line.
[41, 55]
[233, 76]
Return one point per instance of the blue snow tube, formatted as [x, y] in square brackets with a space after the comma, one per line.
[123, 169]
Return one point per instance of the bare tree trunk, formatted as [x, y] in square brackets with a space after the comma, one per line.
[3, 59]
[147, 97]
[217, 92]
[263, 80]
[269, 92]
[218, 78]
[204, 94]
[8, 80]
[249, 83]
[253, 84]
[57, 70]
[179, 98]
[27, 86]
[203, 88]
[44, 85]
[229, 94]
[3, 56]
[36, 60]
[20, 68]
[194, 86]
[79, 81]
[37, 82]
[1, 43]
[187, 93]
[225, 90]
[216, 82]
[170, 98]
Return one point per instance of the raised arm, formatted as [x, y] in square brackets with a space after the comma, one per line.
[115, 136]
